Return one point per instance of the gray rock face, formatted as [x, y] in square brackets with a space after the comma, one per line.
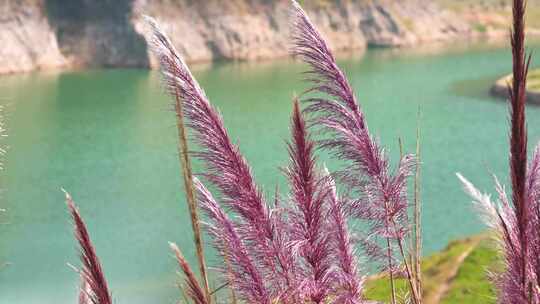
[97, 33]
[26, 38]
[242, 30]
[405, 23]
[250, 30]
[56, 33]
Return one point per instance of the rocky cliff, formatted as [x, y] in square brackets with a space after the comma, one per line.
[27, 41]
[37, 34]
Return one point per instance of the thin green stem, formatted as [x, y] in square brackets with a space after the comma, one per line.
[417, 212]
[190, 192]
[391, 272]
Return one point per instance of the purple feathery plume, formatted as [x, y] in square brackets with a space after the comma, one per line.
[517, 223]
[351, 282]
[83, 292]
[518, 143]
[533, 195]
[93, 280]
[325, 74]
[383, 199]
[382, 196]
[500, 216]
[309, 194]
[518, 132]
[194, 290]
[244, 275]
[226, 169]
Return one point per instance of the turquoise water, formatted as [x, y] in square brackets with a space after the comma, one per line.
[108, 137]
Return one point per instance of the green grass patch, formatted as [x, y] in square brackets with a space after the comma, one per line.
[471, 285]
[481, 28]
[533, 16]
[533, 80]
[436, 269]
[494, 7]
[379, 289]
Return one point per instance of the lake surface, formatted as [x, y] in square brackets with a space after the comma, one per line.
[108, 137]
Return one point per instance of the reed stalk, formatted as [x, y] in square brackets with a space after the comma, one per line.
[94, 285]
[228, 171]
[194, 291]
[391, 273]
[410, 279]
[417, 251]
[518, 134]
[227, 261]
[163, 49]
[185, 162]
[516, 219]
[415, 237]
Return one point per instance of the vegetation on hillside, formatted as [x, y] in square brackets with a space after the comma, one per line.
[498, 13]
[457, 274]
[533, 81]
[472, 284]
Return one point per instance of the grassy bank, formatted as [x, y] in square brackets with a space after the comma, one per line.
[500, 88]
[533, 81]
[495, 14]
[458, 274]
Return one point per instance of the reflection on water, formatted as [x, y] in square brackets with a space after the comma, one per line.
[473, 88]
[108, 137]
